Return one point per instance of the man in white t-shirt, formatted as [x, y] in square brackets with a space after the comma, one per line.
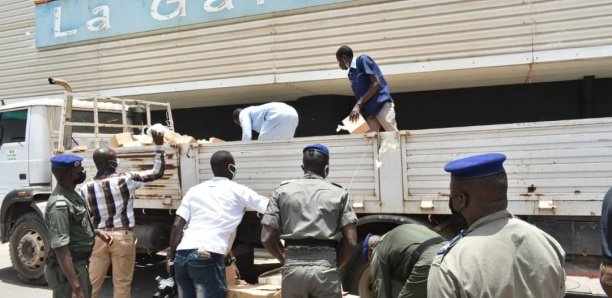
[211, 211]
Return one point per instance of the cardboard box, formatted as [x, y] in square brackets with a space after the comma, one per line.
[273, 277]
[143, 139]
[358, 127]
[215, 140]
[79, 148]
[121, 138]
[183, 140]
[253, 291]
[132, 144]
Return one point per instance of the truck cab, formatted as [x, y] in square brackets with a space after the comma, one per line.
[29, 133]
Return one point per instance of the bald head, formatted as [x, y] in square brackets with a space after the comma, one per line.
[372, 243]
[105, 159]
[314, 161]
[220, 164]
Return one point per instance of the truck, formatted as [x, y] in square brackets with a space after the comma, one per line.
[558, 172]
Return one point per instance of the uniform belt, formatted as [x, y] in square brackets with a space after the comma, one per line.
[310, 242]
[416, 254]
[117, 229]
[75, 255]
[80, 256]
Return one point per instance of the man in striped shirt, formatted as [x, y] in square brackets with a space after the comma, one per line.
[111, 200]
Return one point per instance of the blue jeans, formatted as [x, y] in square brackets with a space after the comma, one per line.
[199, 277]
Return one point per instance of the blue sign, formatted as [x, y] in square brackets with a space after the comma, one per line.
[65, 21]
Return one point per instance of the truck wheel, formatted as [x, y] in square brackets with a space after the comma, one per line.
[357, 277]
[29, 245]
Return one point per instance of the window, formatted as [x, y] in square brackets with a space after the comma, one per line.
[13, 126]
[103, 118]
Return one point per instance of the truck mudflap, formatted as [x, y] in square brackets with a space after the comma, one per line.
[25, 197]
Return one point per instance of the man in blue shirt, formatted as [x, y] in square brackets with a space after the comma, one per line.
[374, 100]
[606, 243]
[272, 121]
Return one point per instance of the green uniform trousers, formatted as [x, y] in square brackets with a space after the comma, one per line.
[61, 285]
[311, 282]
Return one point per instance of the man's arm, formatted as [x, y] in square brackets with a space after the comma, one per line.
[374, 86]
[271, 241]
[381, 278]
[245, 124]
[440, 283]
[64, 259]
[369, 67]
[176, 236]
[348, 245]
[159, 164]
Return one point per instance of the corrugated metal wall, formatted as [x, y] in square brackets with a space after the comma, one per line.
[391, 31]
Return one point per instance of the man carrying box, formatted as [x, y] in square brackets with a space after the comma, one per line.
[371, 90]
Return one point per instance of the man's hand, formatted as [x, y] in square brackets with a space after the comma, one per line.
[106, 237]
[354, 116]
[170, 266]
[77, 291]
[158, 137]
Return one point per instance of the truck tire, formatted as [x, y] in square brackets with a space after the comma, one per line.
[357, 278]
[29, 247]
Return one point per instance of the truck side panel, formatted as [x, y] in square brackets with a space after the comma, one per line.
[554, 168]
[164, 193]
[263, 165]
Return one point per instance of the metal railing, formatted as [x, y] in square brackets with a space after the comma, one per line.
[120, 104]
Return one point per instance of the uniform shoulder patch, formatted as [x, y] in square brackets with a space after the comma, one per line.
[286, 182]
[446, 248]
[338, 185]
[60, 204]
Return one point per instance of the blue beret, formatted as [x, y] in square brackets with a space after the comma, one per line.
[66, 161]
[365, 246]
[318, 147]
[476, 166]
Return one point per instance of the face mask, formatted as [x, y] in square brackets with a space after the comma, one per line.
[326, 171]
[453, 211]
[82, 177]
[114, 164]
[233, 170]
[347, 64]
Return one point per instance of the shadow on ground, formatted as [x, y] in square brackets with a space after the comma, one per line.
[9, 276]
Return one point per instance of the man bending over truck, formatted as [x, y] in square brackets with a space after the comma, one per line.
[211, 211]
[111, 200]
[312, 216]
[403, 254]
[273, 121]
